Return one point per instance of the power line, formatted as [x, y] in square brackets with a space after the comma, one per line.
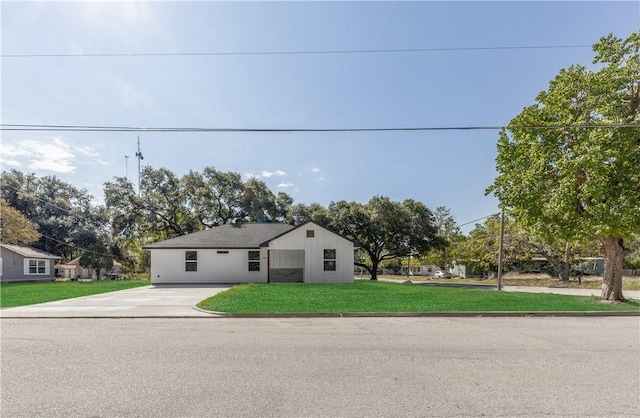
[479, 219]
[75, 247]
[317, 52]
[91, 128]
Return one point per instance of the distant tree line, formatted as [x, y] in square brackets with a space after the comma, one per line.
[59, 218]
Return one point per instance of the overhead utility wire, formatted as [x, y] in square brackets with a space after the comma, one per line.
[479, 219]
[89, 128]
[76, 247]
[318, 52]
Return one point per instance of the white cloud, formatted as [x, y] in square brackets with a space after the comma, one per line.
[91, 153]
[265, 174]
[53, 156]
[88, 151]
[284, 185]
[315, 170]
[277, 173]
[10, 163]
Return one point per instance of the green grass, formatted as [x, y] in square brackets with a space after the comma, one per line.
[20, 294]
[371, 296]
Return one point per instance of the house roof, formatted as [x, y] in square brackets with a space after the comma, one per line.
[30, 252]
[266, 243]
[239, 236]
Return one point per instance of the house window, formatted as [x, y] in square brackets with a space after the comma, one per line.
[37, 267]
[190, 261]
[311, 233]
[330, 260]
[254, 260]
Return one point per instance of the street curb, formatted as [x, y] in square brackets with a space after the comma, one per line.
[221, 315]
[492, 314]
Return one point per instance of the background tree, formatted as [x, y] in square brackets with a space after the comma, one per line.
[14, 227]
[214, 196]
[580, 183]
[65, 216]
[96, 257]
[384, 229]
[449, 233]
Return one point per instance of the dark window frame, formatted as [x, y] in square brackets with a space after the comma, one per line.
[190, 261]
[253, 259]
[329, 256]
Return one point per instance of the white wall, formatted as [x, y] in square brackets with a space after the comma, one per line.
[168, 266]
[314, 253]
[287, 259]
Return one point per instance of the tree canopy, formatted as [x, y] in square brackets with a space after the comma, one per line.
[568, 164]
[14, 227]
[65, 216]
[96, 257]
[384, 229]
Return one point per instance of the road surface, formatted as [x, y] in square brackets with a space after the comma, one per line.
[321, 367]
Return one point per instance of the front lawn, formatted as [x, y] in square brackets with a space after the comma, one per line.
[373, 296]
[20, 294]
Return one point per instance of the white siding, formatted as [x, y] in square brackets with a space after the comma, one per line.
[168, 266]
[314, 253]
[287, 259]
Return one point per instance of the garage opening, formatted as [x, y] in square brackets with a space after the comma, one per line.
[286, 266]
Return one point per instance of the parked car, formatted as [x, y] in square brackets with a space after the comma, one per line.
[442, 274]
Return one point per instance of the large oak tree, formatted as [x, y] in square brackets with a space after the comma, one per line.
[385, 229]
[569, 164]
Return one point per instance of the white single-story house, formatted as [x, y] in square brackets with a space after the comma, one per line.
[254, 252]
[25, 264]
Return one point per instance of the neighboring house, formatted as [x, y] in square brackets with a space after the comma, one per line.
[466, 270]
[584, 265]
[66, 271]
[74, 270]
[256, 252]
[22, 264]
[590, 265]
[420, 270]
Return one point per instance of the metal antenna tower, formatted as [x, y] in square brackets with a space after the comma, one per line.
[140, 158]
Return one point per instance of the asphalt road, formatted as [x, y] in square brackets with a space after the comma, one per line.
[321, 367]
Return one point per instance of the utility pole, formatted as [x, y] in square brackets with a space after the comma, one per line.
[126, 167]
[500, 250]
[140, 158]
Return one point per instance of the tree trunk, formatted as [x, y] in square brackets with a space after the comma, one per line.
[364, 266]
[612, 279]
[374, 269]
[561, 268]
[565, 265]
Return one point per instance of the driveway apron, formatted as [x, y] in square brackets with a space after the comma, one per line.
[140, 302]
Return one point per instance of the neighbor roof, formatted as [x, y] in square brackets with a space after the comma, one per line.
[29, 252]
[238, 236]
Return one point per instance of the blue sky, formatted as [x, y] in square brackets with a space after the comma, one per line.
[372, 90]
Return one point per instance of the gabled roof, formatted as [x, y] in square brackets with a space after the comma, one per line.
[29, 252]
[238, 236]
[266, 243]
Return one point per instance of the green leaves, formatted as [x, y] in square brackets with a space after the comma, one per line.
[576, 183]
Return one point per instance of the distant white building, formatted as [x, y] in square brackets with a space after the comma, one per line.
[420, 270]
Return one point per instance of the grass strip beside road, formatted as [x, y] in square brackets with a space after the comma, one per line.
[373, 296]
[21, 294]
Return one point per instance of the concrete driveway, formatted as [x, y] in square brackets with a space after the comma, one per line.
[141, 302]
